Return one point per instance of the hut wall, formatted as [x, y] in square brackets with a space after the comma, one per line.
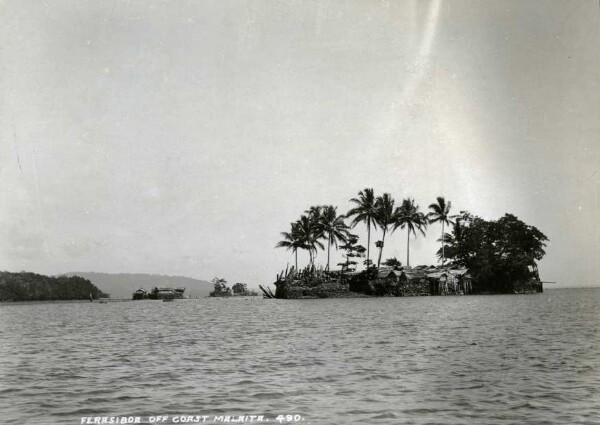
[449, 285]
[465, 285]
[387, 286]
[414, 287]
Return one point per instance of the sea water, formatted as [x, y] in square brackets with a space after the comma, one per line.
[503, 359]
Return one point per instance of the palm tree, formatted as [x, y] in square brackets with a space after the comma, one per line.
[450, 240]
[364, 212]
[291, 240]
[315, 214]
[333, 227]
[308, 233]
[440, 212]
[410, 217]
[385, 216]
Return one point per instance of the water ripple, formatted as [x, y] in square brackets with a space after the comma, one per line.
[431, 360]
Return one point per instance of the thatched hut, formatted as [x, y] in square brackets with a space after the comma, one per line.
[388, 274]
[386, 282]
[140, 294]
[413, 282]
[438, 279]
[463, 280]
[446, 281]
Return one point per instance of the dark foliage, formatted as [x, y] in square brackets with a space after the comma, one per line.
[239, 287]
[221, 288]
[500, 254]
[360, 282]
[392, 262]
[385, 288]
[242, 289]
[34, 287]
[351, 251]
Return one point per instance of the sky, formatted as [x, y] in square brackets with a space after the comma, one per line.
[182, 137]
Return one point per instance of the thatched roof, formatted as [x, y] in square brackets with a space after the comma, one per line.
[437, 274]
[385, 272]
[413, 274]
[460, 272]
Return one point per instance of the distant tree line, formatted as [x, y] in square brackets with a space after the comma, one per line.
[34, 287]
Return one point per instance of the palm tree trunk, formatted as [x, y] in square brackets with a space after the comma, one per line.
[381, 249]
[368, 241]
[407, 248]
[443, 244]
[328, 248]
[296, 252]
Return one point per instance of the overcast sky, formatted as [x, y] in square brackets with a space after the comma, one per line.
[182, 137]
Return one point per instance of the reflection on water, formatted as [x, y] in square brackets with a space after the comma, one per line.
[447, 360]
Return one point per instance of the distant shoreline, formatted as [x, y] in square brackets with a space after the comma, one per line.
[48, 302]
[358, 296]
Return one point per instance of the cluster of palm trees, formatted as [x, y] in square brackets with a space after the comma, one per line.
[318, 222]
[376, 212]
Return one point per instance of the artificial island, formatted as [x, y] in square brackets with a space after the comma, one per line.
[476, 256]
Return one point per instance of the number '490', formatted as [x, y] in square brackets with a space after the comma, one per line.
[288, 418]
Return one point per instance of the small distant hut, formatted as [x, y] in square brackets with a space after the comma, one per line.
[413, 282]
[388, 274]
[449, 281]
[438, 279]
[386, 282]
[140, 294]
[168, 293]
[463, 280]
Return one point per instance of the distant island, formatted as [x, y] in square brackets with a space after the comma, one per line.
[159, 293]
[35, 287]
[237, 290]
[477, 256]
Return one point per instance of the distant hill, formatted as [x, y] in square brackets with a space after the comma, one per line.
[122, 285]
